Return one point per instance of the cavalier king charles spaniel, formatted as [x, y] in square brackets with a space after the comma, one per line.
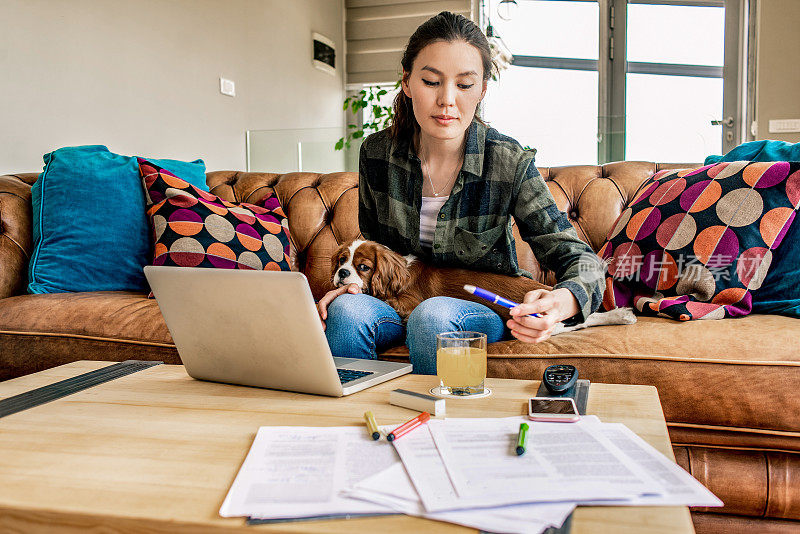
[404, 281]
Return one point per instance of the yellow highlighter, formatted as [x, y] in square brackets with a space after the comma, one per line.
[372, 426]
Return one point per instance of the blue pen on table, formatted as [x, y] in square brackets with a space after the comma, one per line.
[496, 299]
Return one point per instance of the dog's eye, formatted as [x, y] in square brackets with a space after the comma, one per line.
[362, 267]
[341, 260]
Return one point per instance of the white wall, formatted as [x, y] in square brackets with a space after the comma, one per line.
[142, 77]
[777, 74]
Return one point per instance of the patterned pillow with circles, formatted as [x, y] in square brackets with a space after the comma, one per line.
[194, 228]
[696, 243]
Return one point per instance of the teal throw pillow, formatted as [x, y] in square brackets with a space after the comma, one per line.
[90, 231]
[780, 293]
[766, 150]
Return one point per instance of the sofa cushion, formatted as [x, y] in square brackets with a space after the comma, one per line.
[42, 331]
[696, 243]
[193, 228]
[89, 227]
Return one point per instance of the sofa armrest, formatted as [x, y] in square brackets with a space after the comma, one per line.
[15, 232]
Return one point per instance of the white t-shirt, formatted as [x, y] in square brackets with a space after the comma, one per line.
[427, 218]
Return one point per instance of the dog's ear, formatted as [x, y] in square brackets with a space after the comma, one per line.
[391, 276]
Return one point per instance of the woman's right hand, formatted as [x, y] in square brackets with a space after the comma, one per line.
[322, 305]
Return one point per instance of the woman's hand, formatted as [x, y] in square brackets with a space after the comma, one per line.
[554, 306]
[322, 305]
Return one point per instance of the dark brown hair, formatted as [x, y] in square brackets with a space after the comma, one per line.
[445, 26]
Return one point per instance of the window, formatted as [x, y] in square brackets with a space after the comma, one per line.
[550, 65]
[594, 81]
[673, 85]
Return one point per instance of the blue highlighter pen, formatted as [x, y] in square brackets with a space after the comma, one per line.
[496, 299]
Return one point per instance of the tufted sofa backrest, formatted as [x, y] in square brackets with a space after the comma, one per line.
[323, 208]
[323, 212]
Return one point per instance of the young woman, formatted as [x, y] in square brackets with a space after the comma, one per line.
[441, 185]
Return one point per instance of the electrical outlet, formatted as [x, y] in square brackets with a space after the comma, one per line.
[784, 126]
[227, 87]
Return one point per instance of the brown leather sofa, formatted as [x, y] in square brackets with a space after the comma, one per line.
[729, 388]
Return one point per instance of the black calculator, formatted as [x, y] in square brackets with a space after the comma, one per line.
[559, 378]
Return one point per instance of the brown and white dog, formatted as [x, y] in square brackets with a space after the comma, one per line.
[404, 281]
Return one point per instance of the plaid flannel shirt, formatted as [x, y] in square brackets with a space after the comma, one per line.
[498, 180]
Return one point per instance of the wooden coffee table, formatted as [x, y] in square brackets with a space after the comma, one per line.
[157, 451]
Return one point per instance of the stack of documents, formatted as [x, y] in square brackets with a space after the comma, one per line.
[462, 471]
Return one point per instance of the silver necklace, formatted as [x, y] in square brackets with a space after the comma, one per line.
[428, 176]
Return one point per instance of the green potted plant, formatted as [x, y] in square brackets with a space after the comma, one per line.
[369, 97]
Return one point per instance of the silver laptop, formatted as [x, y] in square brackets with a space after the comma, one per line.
[257, 328]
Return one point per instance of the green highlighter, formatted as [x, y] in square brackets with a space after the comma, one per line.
[522, 439]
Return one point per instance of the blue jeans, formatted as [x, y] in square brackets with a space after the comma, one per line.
[360, 326]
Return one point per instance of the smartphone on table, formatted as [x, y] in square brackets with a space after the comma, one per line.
[553, 409]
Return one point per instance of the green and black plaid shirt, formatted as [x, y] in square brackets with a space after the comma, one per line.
[497, 181]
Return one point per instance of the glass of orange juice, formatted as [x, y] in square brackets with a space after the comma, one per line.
[461, 363]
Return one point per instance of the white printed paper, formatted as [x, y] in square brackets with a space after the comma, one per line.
[426, 466]
[392, 487]
[463, 471]
[300, 472]
[561, 461]
[679, 487]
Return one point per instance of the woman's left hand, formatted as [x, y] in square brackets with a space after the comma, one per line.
[553, 306]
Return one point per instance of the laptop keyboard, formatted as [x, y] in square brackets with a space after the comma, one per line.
[348, 375]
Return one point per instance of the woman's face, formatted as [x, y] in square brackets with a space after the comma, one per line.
[445, 86]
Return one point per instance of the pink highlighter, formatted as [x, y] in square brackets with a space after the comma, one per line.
[496, 299]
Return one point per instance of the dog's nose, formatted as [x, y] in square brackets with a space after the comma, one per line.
[344, 273]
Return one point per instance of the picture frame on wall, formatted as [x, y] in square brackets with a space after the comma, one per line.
[324, 53]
